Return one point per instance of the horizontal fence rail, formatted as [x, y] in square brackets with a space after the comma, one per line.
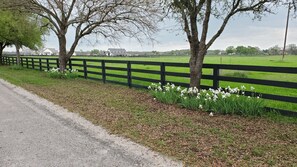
[103, 71]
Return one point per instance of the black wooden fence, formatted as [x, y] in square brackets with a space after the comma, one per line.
[48, 63]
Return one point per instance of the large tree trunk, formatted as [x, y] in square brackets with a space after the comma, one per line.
[196, 62]
[195, 73]
[63, 58]
[1, 52]
[17, 47]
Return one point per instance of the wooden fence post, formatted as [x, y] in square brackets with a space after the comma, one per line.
[85, 69]
[32, 62]
[70, 64]
[22, 62]
[47, 64]
[40, 64]
[103, 71]
[27, 63]
[129, 77]
[163, 77]
[57, 62]
[216, 74]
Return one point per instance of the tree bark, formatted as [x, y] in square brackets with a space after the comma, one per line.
[63, 58]
[18, 53]
[196, 63]
[198, 51]
[1, 53]
[193, 62]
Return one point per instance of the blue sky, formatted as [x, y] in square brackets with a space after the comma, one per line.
[241, 30]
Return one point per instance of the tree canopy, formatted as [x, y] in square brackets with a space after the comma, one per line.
[19, 29]
[292, 49]
[195, 16]
[109, 18]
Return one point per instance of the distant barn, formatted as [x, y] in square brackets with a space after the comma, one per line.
[116, 52]
[49, 51]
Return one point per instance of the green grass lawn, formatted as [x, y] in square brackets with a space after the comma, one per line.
[261, 60]
[193, 137]
[290, 61]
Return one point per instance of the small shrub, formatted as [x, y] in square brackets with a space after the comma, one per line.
[227, 101]
[16, 67]
[56, 73]
[71, 73]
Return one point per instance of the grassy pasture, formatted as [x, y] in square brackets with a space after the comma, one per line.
[290, 61]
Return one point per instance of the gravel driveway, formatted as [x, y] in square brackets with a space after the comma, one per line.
[35, 132]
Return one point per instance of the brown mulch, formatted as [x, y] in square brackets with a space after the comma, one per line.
[190, 136]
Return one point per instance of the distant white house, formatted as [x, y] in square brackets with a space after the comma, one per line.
[49, 51]
[116, 52]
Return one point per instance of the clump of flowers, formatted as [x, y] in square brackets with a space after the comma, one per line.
[56, 73]
[168, 94]
[224, 101]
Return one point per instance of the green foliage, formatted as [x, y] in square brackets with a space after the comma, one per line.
[169, 96]
[95, 52]
[228, 101]
[20, 29]
[16, 67]
[242, 50]
[292, 49]
[230, 50]
[57, 74]
[275, 50]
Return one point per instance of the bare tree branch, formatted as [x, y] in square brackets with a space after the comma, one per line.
[198, 13]
[109, 18]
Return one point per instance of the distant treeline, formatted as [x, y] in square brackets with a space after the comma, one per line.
[291, 49]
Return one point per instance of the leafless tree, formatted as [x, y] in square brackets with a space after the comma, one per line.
[109, 18]
[195, 16]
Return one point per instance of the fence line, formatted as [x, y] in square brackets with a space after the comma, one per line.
[47, 63]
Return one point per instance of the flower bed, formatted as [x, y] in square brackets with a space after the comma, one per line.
[223, 101]
[56, 73]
